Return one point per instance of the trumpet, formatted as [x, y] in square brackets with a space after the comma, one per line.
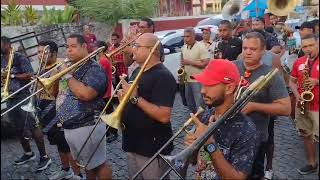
[5, 92]
[179, 161]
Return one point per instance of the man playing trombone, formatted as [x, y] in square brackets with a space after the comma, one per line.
[47, 105]
[229, 153]
[20, 75]
[79, 101]
[146, 117]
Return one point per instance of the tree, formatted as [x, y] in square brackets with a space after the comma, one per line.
[111, 11]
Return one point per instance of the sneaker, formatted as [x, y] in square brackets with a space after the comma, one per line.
[25, 158]
[61, 174]
[111, 138]
[44, 163]
[307, 169]
[268, 174]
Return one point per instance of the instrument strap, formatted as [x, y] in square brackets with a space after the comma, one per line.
[311, 64]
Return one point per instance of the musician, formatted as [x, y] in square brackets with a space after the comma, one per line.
[21, 74]
[146, 117]
[105, 63]
[271, 101]
[146, 25]
[47, 112]
[306, 29]
[208, 43]
[307, 123]
[194, 58]
[89, 37]
[229, 47]
[271, 40]
[118, 59]
[229, 153]
[79, 102]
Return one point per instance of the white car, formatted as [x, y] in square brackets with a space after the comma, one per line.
[172, 42]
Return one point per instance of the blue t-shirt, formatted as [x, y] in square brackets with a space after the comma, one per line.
[236, 138]
[74, 112]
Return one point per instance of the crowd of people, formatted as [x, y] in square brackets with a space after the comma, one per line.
[214, 68]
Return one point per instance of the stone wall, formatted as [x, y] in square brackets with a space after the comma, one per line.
[102, 31]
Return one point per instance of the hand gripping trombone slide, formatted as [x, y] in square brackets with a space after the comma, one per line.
[177, 162]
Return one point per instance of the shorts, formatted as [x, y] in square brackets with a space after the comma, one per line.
[56, 137]
[77, 137]
[21, 119]
[308, 122]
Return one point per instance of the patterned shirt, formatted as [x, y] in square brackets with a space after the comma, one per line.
[236, 139]
[74, 112]
[21, 64]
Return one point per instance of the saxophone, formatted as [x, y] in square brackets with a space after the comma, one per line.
[182, 75]
[306, 95]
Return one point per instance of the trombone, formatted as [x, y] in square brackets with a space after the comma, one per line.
[114, 118]
[30, 107]
[5, 92]
[178, 162]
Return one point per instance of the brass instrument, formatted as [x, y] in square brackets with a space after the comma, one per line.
[231, 8]
[47, 83]
[306, 95]
[185, 125]
[182, 75]
[179, 161]
[99, 120]
[117, 50]
[30, 96]
[114, 119]
[281, 7]
[30, 107]
[5, 92]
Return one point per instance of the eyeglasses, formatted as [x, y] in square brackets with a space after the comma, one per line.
[136, 45]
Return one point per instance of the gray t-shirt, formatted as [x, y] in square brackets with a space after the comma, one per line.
[276, 89]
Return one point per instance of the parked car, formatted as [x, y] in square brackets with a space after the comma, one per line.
[173, 43]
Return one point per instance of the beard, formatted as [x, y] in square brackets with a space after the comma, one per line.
[215, 102]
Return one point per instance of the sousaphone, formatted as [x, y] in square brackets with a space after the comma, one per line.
[281, 7]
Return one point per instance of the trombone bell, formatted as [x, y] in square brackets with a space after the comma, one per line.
[281, 7]
[112, 120]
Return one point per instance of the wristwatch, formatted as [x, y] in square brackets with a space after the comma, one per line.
[134, 99]
[12, 76]
[211, 148]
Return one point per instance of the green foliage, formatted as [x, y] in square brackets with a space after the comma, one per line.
[111, 11]
[30, 15]
[53, 16]
[11, 15]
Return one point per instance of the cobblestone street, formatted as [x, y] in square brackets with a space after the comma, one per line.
[289, 153]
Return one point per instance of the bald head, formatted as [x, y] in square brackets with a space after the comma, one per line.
[149, 40]
[143, 46]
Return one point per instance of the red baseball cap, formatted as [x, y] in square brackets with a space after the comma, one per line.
[218, 71]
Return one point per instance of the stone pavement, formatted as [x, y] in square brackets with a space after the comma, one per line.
[289, 153]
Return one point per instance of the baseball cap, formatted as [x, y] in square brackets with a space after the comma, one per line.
[218, 71]
[305, 24]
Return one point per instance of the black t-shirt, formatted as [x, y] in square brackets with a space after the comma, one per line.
[142, 134]
[231, 48]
